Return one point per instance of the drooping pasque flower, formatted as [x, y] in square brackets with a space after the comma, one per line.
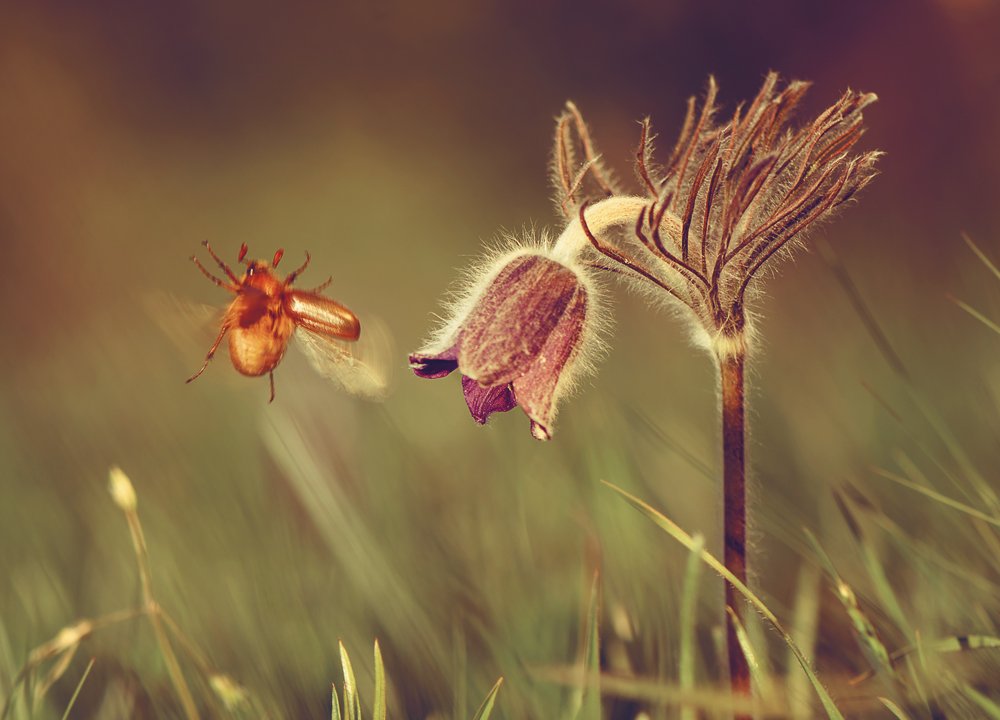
[517, 340]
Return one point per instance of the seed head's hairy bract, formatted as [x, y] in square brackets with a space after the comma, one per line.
[731, 197]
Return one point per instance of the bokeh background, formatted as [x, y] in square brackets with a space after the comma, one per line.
[393, 140]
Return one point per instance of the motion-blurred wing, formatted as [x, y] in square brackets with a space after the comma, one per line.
[192, 327]
[360, 368]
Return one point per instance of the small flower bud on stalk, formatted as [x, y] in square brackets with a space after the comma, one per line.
[121, 490]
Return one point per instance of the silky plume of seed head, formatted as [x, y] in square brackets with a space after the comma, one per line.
[733, 197]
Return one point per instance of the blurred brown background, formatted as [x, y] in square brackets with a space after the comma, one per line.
[391, 140]
[132, 131]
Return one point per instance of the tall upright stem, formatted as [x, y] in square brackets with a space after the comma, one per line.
[734, 491]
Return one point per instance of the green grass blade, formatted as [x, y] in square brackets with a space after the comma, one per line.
[486, 709]
[591, 709]
[684, 539]
[862, 625]
[939, 497]
[981, 255]
[379, 711]
[984, 703]
[894, 708]
[805, 621]
[955, 449]
[334, 704]
[976, 314]
[876, 571]
[585, 700]
[352, 703]
[79, 686]
[689, 598]
[758, 678]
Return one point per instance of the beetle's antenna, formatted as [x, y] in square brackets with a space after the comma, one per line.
[271, 374]
[278, 254]
[295, 273]
[220, 262]
[320, 288]
[243, 252]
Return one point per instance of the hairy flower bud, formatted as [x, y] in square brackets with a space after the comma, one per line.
[517, 342]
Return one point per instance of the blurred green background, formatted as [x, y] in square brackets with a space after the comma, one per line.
[392, 140]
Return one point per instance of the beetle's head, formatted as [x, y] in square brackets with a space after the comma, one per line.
[258, 273]
[257, 267]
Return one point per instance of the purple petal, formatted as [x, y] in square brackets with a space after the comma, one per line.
[513, 318]
[484, 401]
[537, 389]
[435, 366]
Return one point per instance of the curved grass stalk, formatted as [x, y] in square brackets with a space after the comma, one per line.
[687, 541]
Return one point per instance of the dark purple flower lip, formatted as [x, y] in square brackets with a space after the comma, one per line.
[435, 366]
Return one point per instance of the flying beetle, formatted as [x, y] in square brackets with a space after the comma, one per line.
[267, 311]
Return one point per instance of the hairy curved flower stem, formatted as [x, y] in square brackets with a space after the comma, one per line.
[620, 210]
[734, 493]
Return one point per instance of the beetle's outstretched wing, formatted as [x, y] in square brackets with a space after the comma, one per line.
[190, 326]
[360, 368]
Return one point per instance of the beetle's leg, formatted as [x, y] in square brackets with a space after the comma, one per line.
[321, 288]
[211, 352]
[210, 276]
[271, 374]
[220, 262]
[295, 273]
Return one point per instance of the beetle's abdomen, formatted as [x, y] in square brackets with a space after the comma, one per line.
[257, 347]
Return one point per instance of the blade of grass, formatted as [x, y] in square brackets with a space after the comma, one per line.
[935, 495]
[586, 700]
[689, 598]
[335, 703]
[461, 661]
[352, 703]
[58, 669]
[682, 537]
[985, 704]
[981, 255]
[863, 627]
[653, 691]
[909, 545]
[378, 713]
[804, 625]
[66, 638]
[760, 680]
[893, 708]
[881, 340]
[486, 709]
[876, 571]
[79, 686]
[976, 314]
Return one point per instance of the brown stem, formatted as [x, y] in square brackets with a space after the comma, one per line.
[734, 491]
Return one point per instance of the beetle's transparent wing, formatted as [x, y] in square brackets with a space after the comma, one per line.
[190, 326]
[361, 368]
